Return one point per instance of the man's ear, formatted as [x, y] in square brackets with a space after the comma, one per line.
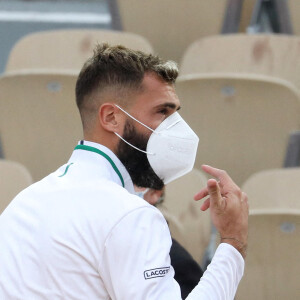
[110, 117]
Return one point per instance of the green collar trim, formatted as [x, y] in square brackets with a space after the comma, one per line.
[66, 170]
[95, 150]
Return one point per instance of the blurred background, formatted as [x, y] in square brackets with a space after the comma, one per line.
[239, 88]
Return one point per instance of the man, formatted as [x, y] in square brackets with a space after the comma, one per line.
[80, 233]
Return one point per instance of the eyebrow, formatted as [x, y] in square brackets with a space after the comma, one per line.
[169, 105]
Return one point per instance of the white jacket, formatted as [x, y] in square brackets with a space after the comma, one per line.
[80, 233]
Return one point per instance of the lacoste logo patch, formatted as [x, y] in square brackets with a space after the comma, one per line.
[158, 272]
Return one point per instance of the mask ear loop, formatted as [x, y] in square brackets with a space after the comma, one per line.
[133, 118]
[129, 115]
[149, 153]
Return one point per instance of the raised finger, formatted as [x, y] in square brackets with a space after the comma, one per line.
[216, 198]
[221, 175]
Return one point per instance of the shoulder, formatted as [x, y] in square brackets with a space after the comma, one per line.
[140, 230]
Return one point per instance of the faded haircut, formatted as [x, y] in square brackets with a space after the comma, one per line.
[117, 71]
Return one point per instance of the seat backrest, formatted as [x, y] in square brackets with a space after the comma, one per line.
[274, 190]
[272, 262]
[195, 224]
[171, 25]
[66, 49]
[243, 122]
[294, 8]
[13, 179]
[39, 120]
[176, 228]
[263, 54]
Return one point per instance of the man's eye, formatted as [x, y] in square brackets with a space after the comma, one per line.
[163, 111]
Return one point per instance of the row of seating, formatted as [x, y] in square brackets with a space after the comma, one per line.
[183, 22]
[272, 264]
[243, 123]
[243, 118]
[273, 224]
[274, 55]
[270, 55]
[66, 50]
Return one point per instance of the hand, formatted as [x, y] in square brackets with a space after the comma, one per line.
[229, 208]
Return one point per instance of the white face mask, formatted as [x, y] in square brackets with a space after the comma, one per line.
[171, 148]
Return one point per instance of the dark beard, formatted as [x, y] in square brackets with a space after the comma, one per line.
[136, 162]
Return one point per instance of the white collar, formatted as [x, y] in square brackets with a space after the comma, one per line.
[123, 178]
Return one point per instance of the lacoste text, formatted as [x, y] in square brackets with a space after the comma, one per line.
[158, 272]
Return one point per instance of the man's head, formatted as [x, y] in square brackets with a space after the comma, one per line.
[115, 74]
[143, 85]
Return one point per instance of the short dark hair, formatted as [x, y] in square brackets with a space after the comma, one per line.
[119, 69]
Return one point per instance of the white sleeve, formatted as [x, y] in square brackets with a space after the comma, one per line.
[221, 279]
[136, 263]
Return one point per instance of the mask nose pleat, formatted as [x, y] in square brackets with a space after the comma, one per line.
[173, 124]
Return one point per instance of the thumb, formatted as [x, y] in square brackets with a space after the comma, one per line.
[214, 193]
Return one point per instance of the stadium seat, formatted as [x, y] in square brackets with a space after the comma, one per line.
[272, 262]
[294, 8]
[264, 54]
[274, 190]
[39, 121]
[196, 225]
[66, 49]
[171, 25]
[176, 228]
[13, 178]
[243, 121]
